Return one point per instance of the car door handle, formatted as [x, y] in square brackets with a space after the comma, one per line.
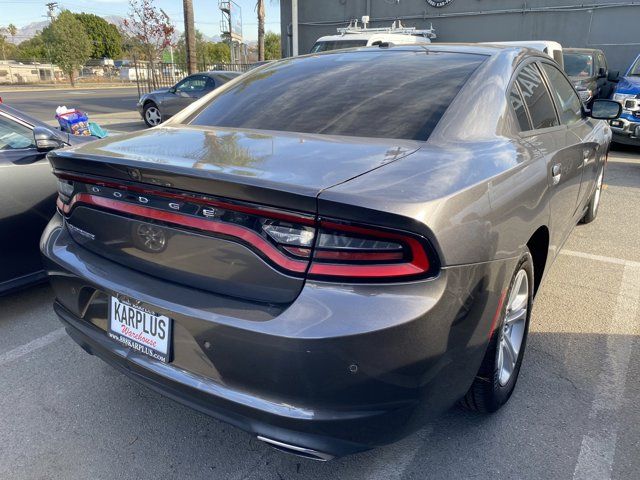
[556, 173]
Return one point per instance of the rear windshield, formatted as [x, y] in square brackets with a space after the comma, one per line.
[325, 46]
[578, 64]
[369, 93]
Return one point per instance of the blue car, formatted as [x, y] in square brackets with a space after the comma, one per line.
[626, 129]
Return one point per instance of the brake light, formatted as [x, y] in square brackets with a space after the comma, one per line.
[362, 253]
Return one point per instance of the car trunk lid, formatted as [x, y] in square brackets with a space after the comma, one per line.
[227, 211]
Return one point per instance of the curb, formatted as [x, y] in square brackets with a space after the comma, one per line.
[8, 88]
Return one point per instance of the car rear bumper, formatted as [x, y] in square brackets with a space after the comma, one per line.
[341, 369]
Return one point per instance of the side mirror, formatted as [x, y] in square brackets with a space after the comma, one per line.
[46, 140]
[602, 72]
[605, 110]
[614, 76]
[172, 90]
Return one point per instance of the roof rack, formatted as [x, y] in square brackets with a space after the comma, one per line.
[396, 27]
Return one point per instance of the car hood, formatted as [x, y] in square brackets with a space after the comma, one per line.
[156, 92]
[628, 84]
[303, 164]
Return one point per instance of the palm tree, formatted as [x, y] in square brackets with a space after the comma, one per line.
[13, 30]
[261, 14]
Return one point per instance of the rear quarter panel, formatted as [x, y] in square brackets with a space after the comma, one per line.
[475, 189]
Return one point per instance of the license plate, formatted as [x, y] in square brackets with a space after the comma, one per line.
[141, 329]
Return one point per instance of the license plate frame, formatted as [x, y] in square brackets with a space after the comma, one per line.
[133, 326]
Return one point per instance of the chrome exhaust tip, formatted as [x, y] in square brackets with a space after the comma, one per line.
[296, 450]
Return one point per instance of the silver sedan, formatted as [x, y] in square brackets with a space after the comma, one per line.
[157, 106]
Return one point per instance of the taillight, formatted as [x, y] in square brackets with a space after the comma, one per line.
[362, 253]
[65, 189]
[297, 240]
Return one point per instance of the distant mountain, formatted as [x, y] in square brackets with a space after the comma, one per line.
[116, 20]
[29, 31]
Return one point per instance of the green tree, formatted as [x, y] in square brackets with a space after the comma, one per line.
[68, 43]
[207, 52]
[30, 50]
[272, 49]
[105, 38]
[217, 52]
[7, 49]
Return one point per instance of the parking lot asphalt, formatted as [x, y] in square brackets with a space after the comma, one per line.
[112, 108]
[574, 415]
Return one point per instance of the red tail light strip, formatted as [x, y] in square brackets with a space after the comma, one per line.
[212, 226]
[357, 256]
[419, 264]
[185, 197]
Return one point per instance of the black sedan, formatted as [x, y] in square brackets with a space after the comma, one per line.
[27, 194]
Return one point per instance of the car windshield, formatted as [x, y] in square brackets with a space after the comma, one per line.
[635, 69]
[327, 45]
[578, 64]
[369, 93]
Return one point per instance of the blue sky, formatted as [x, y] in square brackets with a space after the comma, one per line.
[207, 14]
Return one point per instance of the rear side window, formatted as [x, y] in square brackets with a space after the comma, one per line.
[386, 94]
[568, 103]
[518, 107]
[537, 98]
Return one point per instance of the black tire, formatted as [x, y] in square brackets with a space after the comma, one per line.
[149, 108]
[594, 201]
[486, 394]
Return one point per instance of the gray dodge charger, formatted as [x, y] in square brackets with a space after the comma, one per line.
[331, 249]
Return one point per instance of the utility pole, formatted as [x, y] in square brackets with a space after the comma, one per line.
[51, 10]
[189, 36]
[51, 13]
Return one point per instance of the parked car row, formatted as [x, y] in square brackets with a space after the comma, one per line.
[27, 194]
[626, 129]
[320, 253]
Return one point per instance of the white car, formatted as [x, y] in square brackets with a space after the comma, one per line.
[356, 36]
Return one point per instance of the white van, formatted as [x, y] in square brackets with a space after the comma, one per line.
[553, 49]
[356, 36]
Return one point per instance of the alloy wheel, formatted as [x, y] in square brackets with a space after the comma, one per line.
[596, 195]
[513, 329]
[152, 114]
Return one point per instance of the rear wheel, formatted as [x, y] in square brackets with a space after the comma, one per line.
[499, 371]
[594, 203]
[151, 114]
